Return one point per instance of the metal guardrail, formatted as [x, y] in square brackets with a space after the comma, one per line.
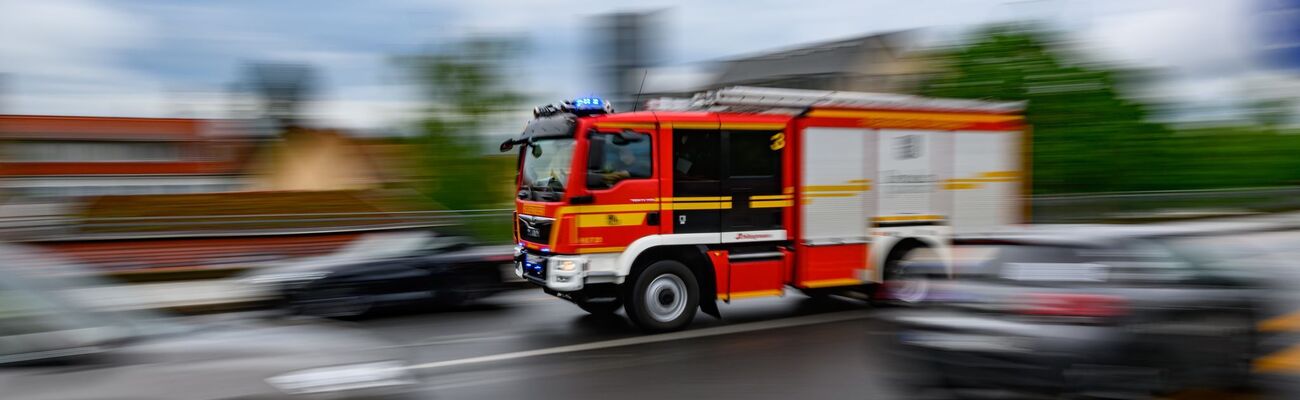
[1154, 205]
[55, 227]
[1092, 207]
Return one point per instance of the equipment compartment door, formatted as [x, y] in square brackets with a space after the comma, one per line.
[698, 199]
[753, 179]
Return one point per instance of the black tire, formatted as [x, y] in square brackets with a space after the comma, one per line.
[663, 297]
[599, 308]
[885, 294]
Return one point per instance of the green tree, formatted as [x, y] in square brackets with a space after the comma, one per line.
[466, 90]
[1086, 137]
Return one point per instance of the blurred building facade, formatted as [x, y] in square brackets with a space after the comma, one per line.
[883, 63]
[626, 49]
[318, 160]
[52, 157]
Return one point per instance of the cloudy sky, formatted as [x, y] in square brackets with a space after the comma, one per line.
[178, 57]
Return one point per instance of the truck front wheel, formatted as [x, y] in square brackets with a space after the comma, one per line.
[664, 297]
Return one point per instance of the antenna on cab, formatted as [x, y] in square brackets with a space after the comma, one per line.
[639, 89]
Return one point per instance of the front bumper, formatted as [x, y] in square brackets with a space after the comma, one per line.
[561, 273]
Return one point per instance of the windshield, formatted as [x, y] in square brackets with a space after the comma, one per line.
[546, 167]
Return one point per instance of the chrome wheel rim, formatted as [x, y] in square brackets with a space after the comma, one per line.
[909, 290]
[665, 298]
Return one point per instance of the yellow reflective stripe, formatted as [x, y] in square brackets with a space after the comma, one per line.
[705, 198]
[983, 177]
[859, 181]
[1285, 323]
[626, 125]
[960, 186]
[694, 125]
[1000, 174]
[751, 294]
[565, 210]
[753, 125]
[718, 205]
[945, 117]
[808, 195]
[836, 188]
[771, 197]
[900, 218]
[771, 203]
[534, 209]
[832, 282]
[607, 208]
[590, 250]
[603, 220]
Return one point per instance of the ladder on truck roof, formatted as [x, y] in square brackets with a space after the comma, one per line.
[773, 100]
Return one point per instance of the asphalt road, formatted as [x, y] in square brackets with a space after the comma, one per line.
[525, 344]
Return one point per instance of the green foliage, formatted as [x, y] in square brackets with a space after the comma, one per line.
[1086, 138]
[466, 90]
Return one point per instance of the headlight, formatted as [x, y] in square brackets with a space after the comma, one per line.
[566, 265]
[343, 377]
[286, 277]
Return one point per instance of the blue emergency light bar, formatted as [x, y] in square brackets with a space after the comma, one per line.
[579, 106]
[589, 104]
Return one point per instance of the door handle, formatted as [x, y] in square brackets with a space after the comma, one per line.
[652, 218]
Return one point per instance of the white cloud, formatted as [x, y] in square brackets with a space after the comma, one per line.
[63, 57]
[69, 58]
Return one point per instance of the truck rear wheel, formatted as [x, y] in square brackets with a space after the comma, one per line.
[901, 286]
[664, 297]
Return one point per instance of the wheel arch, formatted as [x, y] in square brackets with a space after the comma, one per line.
[897, 247]
[695, 257]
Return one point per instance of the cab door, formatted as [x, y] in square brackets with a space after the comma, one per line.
[621, 188]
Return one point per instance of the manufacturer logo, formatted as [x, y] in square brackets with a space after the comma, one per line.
[907, 147]
[752, 236]
[529, 229]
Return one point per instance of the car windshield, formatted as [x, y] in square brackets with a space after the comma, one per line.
[45, 295]
[36, 323]
[546, 165]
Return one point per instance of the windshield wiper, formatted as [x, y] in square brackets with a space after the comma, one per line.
[550, 186]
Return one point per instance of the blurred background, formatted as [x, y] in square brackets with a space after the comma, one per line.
[174, 149]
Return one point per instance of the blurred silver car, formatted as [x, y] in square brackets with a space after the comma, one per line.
[54, 348]
[1088, 310]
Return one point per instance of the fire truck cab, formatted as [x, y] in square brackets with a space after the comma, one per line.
[751, 192]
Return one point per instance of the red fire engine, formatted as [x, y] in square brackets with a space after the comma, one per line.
[748, 192]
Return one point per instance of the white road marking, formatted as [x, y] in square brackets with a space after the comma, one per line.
[665, 337]
[462, 340]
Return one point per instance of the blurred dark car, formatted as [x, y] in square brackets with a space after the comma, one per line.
[1088, 310]
[388, 269]
[54, 345]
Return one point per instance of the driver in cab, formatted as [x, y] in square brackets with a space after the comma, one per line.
[627, 165]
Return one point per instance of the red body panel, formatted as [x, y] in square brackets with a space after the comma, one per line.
[756, 278]
[820, 265]
[721, 271]
[618, 216]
